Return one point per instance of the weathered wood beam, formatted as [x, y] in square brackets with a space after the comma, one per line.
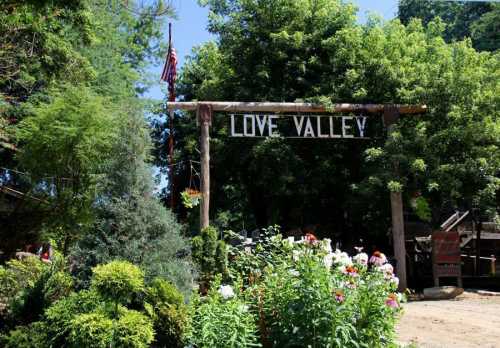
[205, 120]
[294, 107]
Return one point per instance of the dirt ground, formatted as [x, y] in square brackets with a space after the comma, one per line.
[469, 320]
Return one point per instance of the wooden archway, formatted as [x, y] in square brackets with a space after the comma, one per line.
[390, 113]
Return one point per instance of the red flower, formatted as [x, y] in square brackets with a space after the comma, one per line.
[311, 238]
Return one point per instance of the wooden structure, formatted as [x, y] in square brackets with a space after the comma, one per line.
[390, 114]
[446, 256]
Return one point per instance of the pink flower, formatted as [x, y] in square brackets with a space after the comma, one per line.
[388, 270]
[392, 301]
[339, 296]
[350, 271]
[378, 258]
[311, 238]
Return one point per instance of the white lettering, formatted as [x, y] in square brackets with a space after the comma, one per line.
[298, 125]
[345, 127]
[309, 129]
[318, 121]
[245, 127]
[361, 121]
[261, 123]
[233, 128]
[332, 134]
[271, 126]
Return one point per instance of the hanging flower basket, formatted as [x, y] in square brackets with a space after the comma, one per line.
[190, 198]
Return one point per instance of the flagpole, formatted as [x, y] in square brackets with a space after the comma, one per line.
[171, 98]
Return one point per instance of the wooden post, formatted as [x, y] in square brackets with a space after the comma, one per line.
[391, 115]
[478, 248]
[205, 121]
[398, 237]
[493, 265]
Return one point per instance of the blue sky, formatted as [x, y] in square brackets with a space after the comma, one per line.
[190, 27]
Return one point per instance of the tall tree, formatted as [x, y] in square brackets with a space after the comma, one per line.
[314, 50]
[67, 67]
[461, 18]
[131, 223]
[64, 146]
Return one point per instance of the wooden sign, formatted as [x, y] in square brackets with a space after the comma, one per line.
[446, 247]
[446, 259]
[299, 126]
[448, 270]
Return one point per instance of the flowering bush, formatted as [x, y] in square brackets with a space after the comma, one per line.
[306, 294]
[221, 319]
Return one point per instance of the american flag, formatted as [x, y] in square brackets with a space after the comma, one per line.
[169, 73]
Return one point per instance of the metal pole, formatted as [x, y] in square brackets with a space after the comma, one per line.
[171, 98]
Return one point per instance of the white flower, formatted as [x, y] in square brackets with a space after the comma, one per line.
[296, 255]
[328, 260]
[387, 269]
[361, 258]
[226, 291]
[395, 280]
[400, 296]
[327, 245]
[295, 329]
[341, 258]
[350, 284]
[294, 272]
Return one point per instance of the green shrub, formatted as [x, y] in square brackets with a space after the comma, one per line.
[17, 277]
[58, 317]
[92, 330]
[29, 286]
[117, 281]
[209, 254]
[58, 285]
[29, 336]
[169, 313]
[131, 223]
[222, 322]
[133, 329]
[18, 274]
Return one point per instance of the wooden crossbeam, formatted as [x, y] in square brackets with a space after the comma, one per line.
[295, 107]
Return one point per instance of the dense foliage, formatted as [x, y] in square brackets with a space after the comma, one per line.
[71, 104]
[118, 310]
[130, 223]
[299, 295]
[70, 74]
[76, 163]
[303, 50]
[474, 19]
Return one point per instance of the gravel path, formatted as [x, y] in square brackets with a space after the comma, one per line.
[470, 320]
